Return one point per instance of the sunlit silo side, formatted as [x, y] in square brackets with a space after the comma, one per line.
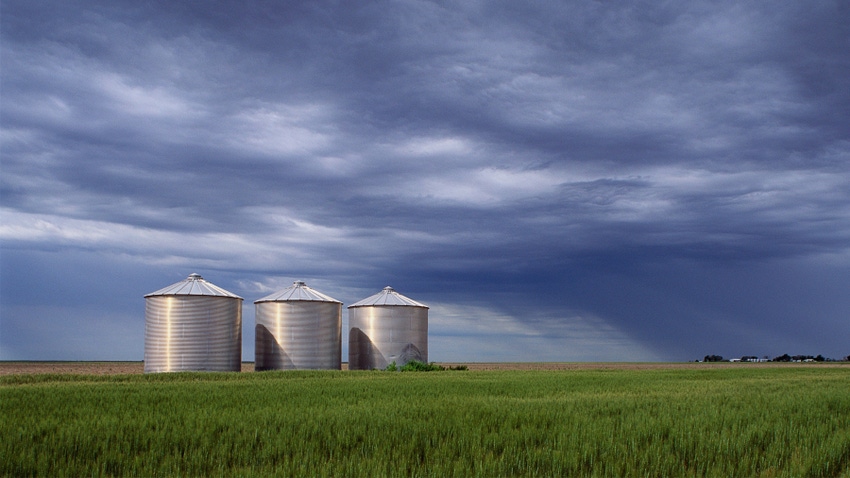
[384, 328]
[298, 328]
[193, 325]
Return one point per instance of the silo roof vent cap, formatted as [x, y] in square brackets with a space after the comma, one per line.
[297, 291]
[388, 296]
[194, 285]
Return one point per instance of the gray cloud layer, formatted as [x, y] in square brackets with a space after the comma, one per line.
[590, 181]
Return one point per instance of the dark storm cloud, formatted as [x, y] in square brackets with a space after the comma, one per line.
[613, 173]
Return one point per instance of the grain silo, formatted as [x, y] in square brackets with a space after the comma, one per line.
[298, 328]
[384, 328]
[193, 325]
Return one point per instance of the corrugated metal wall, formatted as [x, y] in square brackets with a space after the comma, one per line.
[193, 333]
[298, 335]
[382, 334]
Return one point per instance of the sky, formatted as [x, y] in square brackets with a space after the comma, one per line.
[557, 181]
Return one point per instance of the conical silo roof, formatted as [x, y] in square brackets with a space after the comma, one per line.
[297, 291]
[194, 285]
[388, 296]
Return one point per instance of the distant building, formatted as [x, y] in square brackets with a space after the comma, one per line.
[193, 325]
[385, 328]
[298, 328]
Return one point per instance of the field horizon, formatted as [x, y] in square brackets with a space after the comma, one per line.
[121, 367]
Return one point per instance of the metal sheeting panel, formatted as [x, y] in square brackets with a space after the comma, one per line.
[298, 291]
[194, 285]
[382, 334]
[193, 333]
[298, 334]
[388, 296]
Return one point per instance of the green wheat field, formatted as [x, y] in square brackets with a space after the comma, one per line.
[772, 421]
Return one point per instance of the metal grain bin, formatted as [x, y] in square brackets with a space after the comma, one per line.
[193, 325]
[384, 328]
[298, 328]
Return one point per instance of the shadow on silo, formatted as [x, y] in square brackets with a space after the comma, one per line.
[363, 355]
[408, 353]
[269, 354]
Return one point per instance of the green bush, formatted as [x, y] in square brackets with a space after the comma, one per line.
[417, 366]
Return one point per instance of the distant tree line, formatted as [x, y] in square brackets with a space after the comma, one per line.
[799, 358]
[780, 358]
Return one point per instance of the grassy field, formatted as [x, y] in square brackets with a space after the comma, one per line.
[772, 421]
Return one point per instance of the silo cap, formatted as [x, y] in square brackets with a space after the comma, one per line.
[388, 296]
[194, 285]
[297, 291]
